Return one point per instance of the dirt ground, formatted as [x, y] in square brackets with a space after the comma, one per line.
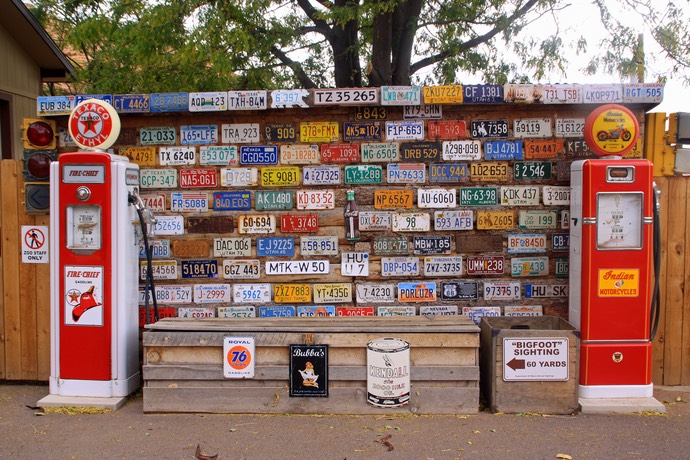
[127, 433]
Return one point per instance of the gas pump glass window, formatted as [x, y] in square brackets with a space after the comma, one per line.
[83, 227]
[619, 220]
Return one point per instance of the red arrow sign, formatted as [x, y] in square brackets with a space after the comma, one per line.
[516, 364]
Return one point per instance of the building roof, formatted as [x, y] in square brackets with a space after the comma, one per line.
[21, 24]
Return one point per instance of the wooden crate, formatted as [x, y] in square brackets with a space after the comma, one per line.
[545, 397]
[183, 369]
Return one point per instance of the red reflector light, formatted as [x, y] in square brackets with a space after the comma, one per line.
[38, 165]
[40, 134]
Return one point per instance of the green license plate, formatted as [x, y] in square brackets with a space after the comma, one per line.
[363, 174]
[478, 196]
[536, 170]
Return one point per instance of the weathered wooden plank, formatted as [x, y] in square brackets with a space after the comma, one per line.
[243, 384]
[11, 260]
[685, 347]
[43, 313]
[4, 192]
[659, 343]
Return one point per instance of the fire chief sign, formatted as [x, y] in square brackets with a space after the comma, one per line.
[535, 359]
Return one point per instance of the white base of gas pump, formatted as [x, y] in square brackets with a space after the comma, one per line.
[618, 398]
[106, 394]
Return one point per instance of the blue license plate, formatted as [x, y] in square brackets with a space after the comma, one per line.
[199, 268]
[132, 103]
[560, 242]
[316, 310]
[101, 97]
[232, 201]
[259, 155]
[274, 246]
[279, 310]
[503, 150]
[169, 102]
[54, 105]
[362, 131]
[198, 134]
[482, 94]
[449, 173]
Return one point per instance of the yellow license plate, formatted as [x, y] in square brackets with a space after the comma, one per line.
[392, 199]
[489, 171]
[319, 131]
[444, 94]
[333, 293]
[291, 293]
[495, 220]
[280, 176]
[143, 156]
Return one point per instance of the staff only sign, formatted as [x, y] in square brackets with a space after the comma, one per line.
[34, 244]
[535, 359]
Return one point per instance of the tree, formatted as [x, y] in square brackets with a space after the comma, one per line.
[122, 46]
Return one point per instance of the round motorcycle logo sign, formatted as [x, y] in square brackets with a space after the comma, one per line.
[94, 124]
[611, 130]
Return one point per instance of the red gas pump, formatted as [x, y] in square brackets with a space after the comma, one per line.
[612, 215]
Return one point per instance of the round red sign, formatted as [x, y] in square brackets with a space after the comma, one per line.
[94, 124]
[611, 129]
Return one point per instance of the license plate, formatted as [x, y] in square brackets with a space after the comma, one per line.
[154, 201]
[295, 267]
[189, 202]
[423, 112]
[411, 222]
[236, 312]
[259, 155]
[417, 292]
[485, 265]
[208, 101]
[459, 290]
[436, 198]
[321, 175]
[143, 156]
[546, 290]
[169, 102]
[462, 150]
[529, 266]
[570, 127]
[401, 95]
[503, 150]
[296, 154]
[453, 220]
[409, 173]
[195, 312]
[396, 311]
[532, 127]
[198, 178]
[280, 132]
[158, 135]
[482, 129]
[562, 94]
[241, 269]
[240, 133]
[526, 243]
[489, 171]
[318, 245]
[354, 264]
[161, 270]
[316, 310]
[482, 94]
[362, 131]
[212, 293]
[550, 148]
[190, 247]
[132, 103]
[556, 195]
[447, 129]
[273, 200]
[577, 148]
[346, 96]
[65, 140]
[218, 155]
[431, 244]
[443, 266]
[565, 219]
[495, 220]
[232, 247]
[443, 94]
[370, 113]
[238, 177]
[169, 225]
[532, 170]
[231, 201]
[54, 105]
[560, 241]
[199, 268]
[363, 174]
[354, 311]
[276, 311]
[252, 224]
[522, 93]
[522, 310]
[291, 293]
[275, 247]
[375, 293]
[178, 294]
[198, 134]
[315, 199]
[562, 267]
[177, 156]
[519, 195]
[478, 196]
[373, 221]
[333, 293]
[339, 153]
[399, 266]
[390, 245]
[448, 173]
[160, 249]
[438, 310]
[537, 218]
[251, 293]
[477, 313]
[502, 290]
[319, 131]
[247, 100]
[602, 93]
[420, 151]
[643, 92]
[299, 223]
[280, 176]
[404, 130]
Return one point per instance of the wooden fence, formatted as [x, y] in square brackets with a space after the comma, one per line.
[25, 288]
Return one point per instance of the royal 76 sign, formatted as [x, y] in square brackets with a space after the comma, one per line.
[238, 357]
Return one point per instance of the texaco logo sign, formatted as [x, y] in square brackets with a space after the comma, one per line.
[94, 124]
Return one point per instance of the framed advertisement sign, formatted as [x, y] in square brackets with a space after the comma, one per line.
[308, 370]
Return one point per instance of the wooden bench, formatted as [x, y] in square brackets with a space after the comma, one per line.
[183, 370]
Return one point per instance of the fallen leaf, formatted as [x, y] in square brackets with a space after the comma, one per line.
[232, 430]
[564, 456]
[385, 441]
[198, 455]
[476, 432]
[680, 399]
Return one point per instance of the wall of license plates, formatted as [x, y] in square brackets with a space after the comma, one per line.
[462, 193]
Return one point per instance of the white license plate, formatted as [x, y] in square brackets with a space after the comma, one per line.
[297, 267]
[406, 173]
[169, 225]
[526, 243]
[546, 290]
[315, 199]
[375, 292]
[155, 202]
[401, 95]
[443, 266]
[158, 135]
[333, 293]
[523, 310]
[529, 266]
[247, 311]
[239, 177]
[396, 311]
[371, 221]
[477, 313]
[536, 218]
[196, 312]
[643, 92]
[404, 130]
[346, 96]
[256, 224]
[161, 270]
[602, 93]
[380, 152]
[570, 127]
[502, 290]
[212, 293]
[178, 294]
[453, 220]
[519, 195]
[158, 178]
[240, 133]
[160, 249]
[247, 100]
[556, 195]
[423, 112]
[198, 134]
[532, 127]
[411, 222]
[562, 94]
[208, 101]
[319, 246]
[218, 155]
[321, 175]
[354, 264]
[462, 150]
[232, 247]
[438, 310]
[189, 202]
[251, 293]
[241, 269]
[399, 266]
[436, 198]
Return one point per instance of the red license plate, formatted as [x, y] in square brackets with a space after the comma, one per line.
[485, 265]
[299, 223]
[204, 177]
[455, 129]
[354, 311]
[339, 153]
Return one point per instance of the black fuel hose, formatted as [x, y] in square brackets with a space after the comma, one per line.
[149, 271]
[655, 308]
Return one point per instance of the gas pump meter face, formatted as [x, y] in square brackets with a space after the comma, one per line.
[83, 227]
[619, 220]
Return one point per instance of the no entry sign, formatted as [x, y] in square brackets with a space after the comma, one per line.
[535, 359]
